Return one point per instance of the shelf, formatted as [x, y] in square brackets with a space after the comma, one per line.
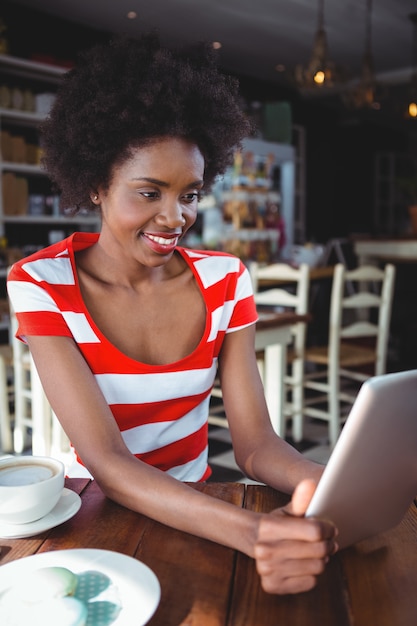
[51, 219]
[22, 117]
[38, 78]
[32, 69]
[251, 193]
[22, 168]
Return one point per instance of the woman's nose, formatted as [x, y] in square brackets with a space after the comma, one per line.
[171, 215]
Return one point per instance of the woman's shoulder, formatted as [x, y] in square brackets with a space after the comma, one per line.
[213, 265]
[56, 254]
[40, 257]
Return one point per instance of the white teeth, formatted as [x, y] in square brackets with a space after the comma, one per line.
[163, 241]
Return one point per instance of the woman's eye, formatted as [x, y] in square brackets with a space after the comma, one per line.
[192, 197]
[150, 194]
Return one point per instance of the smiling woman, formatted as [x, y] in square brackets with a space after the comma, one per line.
[128, 329]
[152, 200]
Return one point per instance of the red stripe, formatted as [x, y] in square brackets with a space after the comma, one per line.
[179, 452]
[132, 415]
[244, 312]
[36, 323]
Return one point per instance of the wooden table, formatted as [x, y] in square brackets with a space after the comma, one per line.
[209, 585]
[273, 334]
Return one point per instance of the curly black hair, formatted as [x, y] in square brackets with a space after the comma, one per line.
[125, 94]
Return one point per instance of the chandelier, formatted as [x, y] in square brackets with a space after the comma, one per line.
[320, 72]
[363, 94]
[412, 104]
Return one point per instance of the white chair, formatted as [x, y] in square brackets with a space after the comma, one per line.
[22, 392]
[292, 294]
[357, 348]
[35, 423]
[6, 394]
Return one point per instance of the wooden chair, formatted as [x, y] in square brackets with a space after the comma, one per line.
[357, 346]
[292, 294]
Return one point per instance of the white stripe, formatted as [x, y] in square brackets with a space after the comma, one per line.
[193, 254]
[213, 269]
[76, 470]
[141, 388]
[57, 271]
[220, 319]
[26, 297]
[193, 471]
[149, 437]
[244, 287]
[80, 327]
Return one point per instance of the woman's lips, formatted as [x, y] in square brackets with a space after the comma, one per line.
[162, 244]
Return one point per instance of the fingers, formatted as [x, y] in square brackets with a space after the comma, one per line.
[294, 585]
[281, 525]
[291, 566]
[292, 551]
[301, 497]
[293, 576]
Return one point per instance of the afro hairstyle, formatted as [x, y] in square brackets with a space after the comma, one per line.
[128, 92]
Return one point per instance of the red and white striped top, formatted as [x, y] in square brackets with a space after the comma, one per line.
[161, 410]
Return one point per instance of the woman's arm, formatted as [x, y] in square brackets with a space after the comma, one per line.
[259, 451]
[285, 566]
[85, 416]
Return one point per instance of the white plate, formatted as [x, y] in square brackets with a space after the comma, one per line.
[133, 587]
[67, 506]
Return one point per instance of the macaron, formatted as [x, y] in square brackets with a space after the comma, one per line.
[47, 582]
[66, 611]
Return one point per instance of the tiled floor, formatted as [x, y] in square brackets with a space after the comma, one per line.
[314, 446]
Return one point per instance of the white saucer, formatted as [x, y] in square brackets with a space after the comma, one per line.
[67, 507]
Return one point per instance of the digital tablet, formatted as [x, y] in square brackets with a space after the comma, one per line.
[370, 479]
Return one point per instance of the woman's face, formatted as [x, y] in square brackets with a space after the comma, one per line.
[152, 201]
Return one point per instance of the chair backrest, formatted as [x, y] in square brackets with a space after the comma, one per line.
[292, 292]
[295, 283]
[364, 313]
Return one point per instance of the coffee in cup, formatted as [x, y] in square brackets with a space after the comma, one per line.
[30, 487]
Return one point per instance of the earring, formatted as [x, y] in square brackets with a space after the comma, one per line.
[94, 197]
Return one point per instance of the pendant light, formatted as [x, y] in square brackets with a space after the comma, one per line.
[363, 94]
[320, 72]
[412, 104]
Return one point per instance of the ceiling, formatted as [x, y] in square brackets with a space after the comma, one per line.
[256, 35]
[259, 35]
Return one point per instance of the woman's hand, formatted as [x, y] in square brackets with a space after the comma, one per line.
[291, 550]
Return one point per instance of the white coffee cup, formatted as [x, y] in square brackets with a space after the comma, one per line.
[30, 487]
